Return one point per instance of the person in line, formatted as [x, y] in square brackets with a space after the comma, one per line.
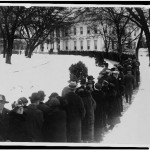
[99, 114]
[75, 113]
[4, 119]
[129, 82]
[17, 123]
[34, 118]
[55, 122]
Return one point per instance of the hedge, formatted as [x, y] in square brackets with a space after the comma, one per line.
[99, 55]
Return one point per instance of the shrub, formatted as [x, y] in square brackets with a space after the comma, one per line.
[78, 71]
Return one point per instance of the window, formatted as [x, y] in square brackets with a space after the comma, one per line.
[66, 32]
[95, 44]
[88, 30]
[95, 29]
[81, 44]
[75, 45]
[88, 44]
[74, 30]
[81, 30]
[66, 45]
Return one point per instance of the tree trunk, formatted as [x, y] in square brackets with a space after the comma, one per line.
[147, 35]
[26, 52]
[138, 45]
[29, 54]
[8, 58]
[4, 48]
[9, 50]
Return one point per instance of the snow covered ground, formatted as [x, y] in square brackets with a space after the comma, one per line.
[134, 129]
[50, 73]
[42, 72]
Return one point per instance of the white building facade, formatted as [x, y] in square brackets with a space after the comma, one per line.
[79, 37]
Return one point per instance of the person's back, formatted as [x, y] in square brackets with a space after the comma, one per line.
[65, 91]
[17, 128]
[75, 112]
[55, 126]
[129, 81]
[34, 121]
[88, 120]
[4, 121]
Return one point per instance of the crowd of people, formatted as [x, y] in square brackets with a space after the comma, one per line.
[81, 114]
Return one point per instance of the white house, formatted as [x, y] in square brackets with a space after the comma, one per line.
[79, 37]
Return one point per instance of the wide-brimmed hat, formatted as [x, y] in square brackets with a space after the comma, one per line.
[35, 97]
[72, 85]
[3, 99]
[90, 78]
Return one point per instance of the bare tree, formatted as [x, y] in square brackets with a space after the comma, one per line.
[10, 21]
[141, 17]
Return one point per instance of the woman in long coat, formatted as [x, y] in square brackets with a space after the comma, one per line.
[55, 122]
[17, 129]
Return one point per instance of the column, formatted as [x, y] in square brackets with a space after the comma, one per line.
[55, 43]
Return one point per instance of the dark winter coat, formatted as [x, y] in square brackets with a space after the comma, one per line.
[17, 127]
[55, 126]
[34, 122]
[99, 111]
[44, 108]
[4, 122]
[129, 82]
[88, 120]
[75, 112]
[114, 104]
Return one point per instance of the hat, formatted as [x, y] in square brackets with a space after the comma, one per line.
[3, 99]
[35, 97]
[83, 81]
[90, 78]
[42, 93]
[72, 85]
[23, 100]
[98, 86]
[54, 94]
[54, 102]
[115, 72]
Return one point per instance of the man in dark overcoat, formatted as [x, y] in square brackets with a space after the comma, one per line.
[99, 113]
[4, 119]
[113, 106]
[42, 106]
[75, 112]
[129, 82]
[34, 118]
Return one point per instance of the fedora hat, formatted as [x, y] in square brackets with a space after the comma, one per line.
[35, 97]
[3, 99]
[72, 85]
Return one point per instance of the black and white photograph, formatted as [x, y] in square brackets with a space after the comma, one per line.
[75, 74]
